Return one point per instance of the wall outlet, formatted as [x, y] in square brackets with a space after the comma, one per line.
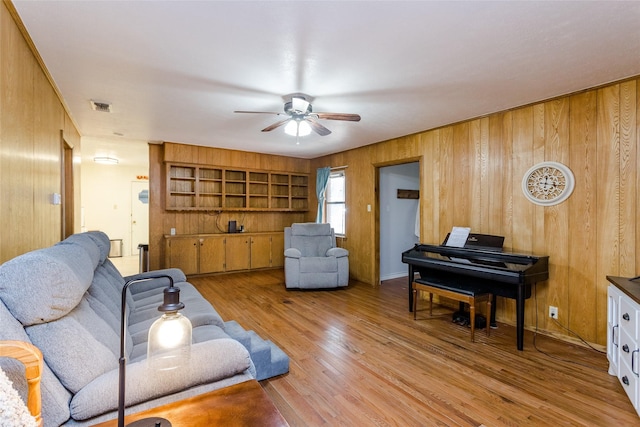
[173, 231]
[553, 312]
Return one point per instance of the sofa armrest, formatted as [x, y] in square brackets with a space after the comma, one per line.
[210, 361]
[175, 273]
[292, 253]
[338, 252]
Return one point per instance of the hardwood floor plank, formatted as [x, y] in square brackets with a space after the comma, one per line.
[359, 359]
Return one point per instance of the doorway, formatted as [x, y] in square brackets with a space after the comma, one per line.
[399, 217]
[67, 187]
[139, 215]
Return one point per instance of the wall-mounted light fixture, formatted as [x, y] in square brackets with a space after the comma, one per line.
[106, 160]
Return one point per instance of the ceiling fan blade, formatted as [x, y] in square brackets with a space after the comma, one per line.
[338, 116]
[317, 127]
[258, 112]
[275, 125]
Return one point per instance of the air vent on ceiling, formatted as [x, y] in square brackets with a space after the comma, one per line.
[100, 106]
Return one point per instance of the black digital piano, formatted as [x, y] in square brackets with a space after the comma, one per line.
[503, 274]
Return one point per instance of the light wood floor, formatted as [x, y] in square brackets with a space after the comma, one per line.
[359, 359]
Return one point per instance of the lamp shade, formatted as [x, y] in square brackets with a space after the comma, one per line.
[169, 343]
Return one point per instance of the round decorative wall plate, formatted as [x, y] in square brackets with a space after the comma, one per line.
[548, 183]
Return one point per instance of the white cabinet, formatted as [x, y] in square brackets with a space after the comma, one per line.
[613, 328]
[623, 336]
[628, 351]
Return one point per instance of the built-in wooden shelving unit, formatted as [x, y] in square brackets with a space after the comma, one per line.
[206, 188]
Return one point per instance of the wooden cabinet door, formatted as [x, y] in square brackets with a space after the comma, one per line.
[277, 250]
[238, 253]
[261, 251]
[182, 253]
[212, 254]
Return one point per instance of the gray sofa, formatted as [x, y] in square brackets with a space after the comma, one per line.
[311, 258]
[66, 300]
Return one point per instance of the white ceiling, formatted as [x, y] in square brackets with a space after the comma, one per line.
[176, 70]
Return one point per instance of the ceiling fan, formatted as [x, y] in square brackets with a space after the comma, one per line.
[301, 119]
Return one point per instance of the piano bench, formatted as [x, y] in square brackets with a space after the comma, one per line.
[467, 294]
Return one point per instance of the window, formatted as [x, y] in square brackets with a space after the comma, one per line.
[335, 204]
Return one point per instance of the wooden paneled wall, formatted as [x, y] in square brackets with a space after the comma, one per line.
[33, 123]
[471, 175]
[193, 222]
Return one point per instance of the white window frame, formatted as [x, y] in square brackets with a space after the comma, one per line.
[331, 202]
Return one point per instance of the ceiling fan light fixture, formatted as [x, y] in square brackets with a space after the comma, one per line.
[303, 128]
[301, 118]
[297, 128]
[105, 160]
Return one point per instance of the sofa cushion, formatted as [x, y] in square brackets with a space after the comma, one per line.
[74, 354]
[199, 334]
[196, 308]
[209, 361]
[46, 284]
[102, 242]
[87, 244]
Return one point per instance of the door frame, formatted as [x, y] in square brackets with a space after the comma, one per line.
[376, 232]
[66, 188]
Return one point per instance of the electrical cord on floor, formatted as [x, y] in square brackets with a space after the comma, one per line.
[552, 356]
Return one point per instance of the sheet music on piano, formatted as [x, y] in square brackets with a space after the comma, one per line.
[457, 239]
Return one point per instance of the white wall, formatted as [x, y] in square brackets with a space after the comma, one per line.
[106, 190]
[397, 217]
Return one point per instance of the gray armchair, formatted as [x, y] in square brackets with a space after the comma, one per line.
[311, 258]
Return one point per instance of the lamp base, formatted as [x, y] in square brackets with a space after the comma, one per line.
[151, 422]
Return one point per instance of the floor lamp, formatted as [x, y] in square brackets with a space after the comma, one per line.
[169, 337]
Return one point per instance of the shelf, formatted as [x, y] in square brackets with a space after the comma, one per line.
[198, 187]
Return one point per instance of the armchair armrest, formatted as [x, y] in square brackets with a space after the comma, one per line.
[209, 361]
[292, 253]
[338, 252]
[31, 357]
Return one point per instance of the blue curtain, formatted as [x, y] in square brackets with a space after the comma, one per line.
[322, 179]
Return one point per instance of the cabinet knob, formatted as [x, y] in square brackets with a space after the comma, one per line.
[625, 348]
[625, 316]
[625, 380]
